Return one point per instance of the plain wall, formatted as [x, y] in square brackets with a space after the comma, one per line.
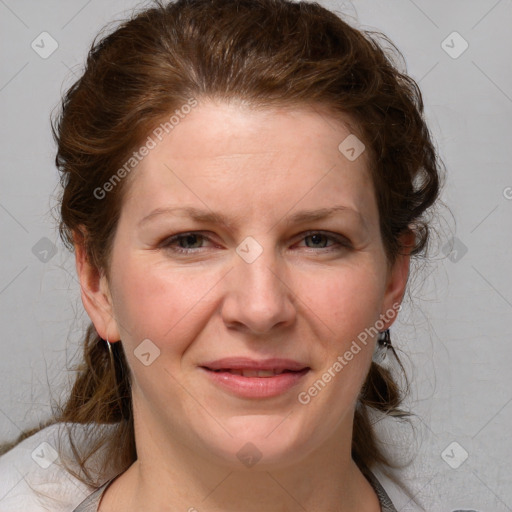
[455, 328]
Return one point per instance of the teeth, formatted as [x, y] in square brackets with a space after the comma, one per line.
[257, 373]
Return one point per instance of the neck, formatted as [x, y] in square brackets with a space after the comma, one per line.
[171, 476]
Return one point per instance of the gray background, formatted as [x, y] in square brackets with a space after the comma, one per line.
[455, 328]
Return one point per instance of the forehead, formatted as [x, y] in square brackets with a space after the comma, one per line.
[223, 130]
[235, 155]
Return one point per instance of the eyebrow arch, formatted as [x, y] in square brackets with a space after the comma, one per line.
[216, 218]
[322, 213]
[194, 213]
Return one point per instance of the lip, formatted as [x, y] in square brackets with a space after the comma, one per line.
[255, 387]
[246, 363]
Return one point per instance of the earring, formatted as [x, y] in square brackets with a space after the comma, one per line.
[382, 346]
[109, 345]
[113, 372]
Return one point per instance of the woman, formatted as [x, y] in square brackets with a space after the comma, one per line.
[244, 185]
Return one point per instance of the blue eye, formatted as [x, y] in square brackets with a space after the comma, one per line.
[178, 243]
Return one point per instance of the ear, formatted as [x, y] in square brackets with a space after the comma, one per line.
[398, 275]
[95, 291]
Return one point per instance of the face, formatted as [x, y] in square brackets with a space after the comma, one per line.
[251, 272]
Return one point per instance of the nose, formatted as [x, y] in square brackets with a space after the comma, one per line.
[258, 298]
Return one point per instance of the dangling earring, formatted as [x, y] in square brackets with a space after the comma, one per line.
[381, 348]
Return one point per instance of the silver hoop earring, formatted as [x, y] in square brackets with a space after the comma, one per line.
[382, 346]
[109, 345]
[113, 367]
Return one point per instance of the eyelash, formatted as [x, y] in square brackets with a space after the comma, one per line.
[168, 242]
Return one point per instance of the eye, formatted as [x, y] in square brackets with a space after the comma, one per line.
[183, 239]
[181, 243]
[317, 239]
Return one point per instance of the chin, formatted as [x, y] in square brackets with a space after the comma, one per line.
[261, 443]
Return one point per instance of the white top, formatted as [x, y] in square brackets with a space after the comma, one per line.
[33, 479]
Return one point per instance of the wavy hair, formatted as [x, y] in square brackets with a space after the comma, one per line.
[267, 53]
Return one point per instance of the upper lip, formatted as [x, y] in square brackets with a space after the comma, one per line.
[245, 363]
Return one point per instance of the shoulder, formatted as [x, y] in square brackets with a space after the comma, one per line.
[392, 495]
[32, 476]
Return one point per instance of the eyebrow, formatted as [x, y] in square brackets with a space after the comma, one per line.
[217, 218]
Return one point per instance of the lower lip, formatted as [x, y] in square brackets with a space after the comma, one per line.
[256, 387]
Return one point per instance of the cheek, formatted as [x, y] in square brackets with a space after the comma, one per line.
[168, 308]
[153, 301]
[348, 305]
[159, 304]
[348, 309]
[347, 301]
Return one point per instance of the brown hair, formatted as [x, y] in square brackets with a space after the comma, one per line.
[267, 53]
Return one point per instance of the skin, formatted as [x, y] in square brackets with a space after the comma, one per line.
[303, 298]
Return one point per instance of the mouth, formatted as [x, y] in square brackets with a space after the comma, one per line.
[275, 365]
[248, 378]
[255, 373]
